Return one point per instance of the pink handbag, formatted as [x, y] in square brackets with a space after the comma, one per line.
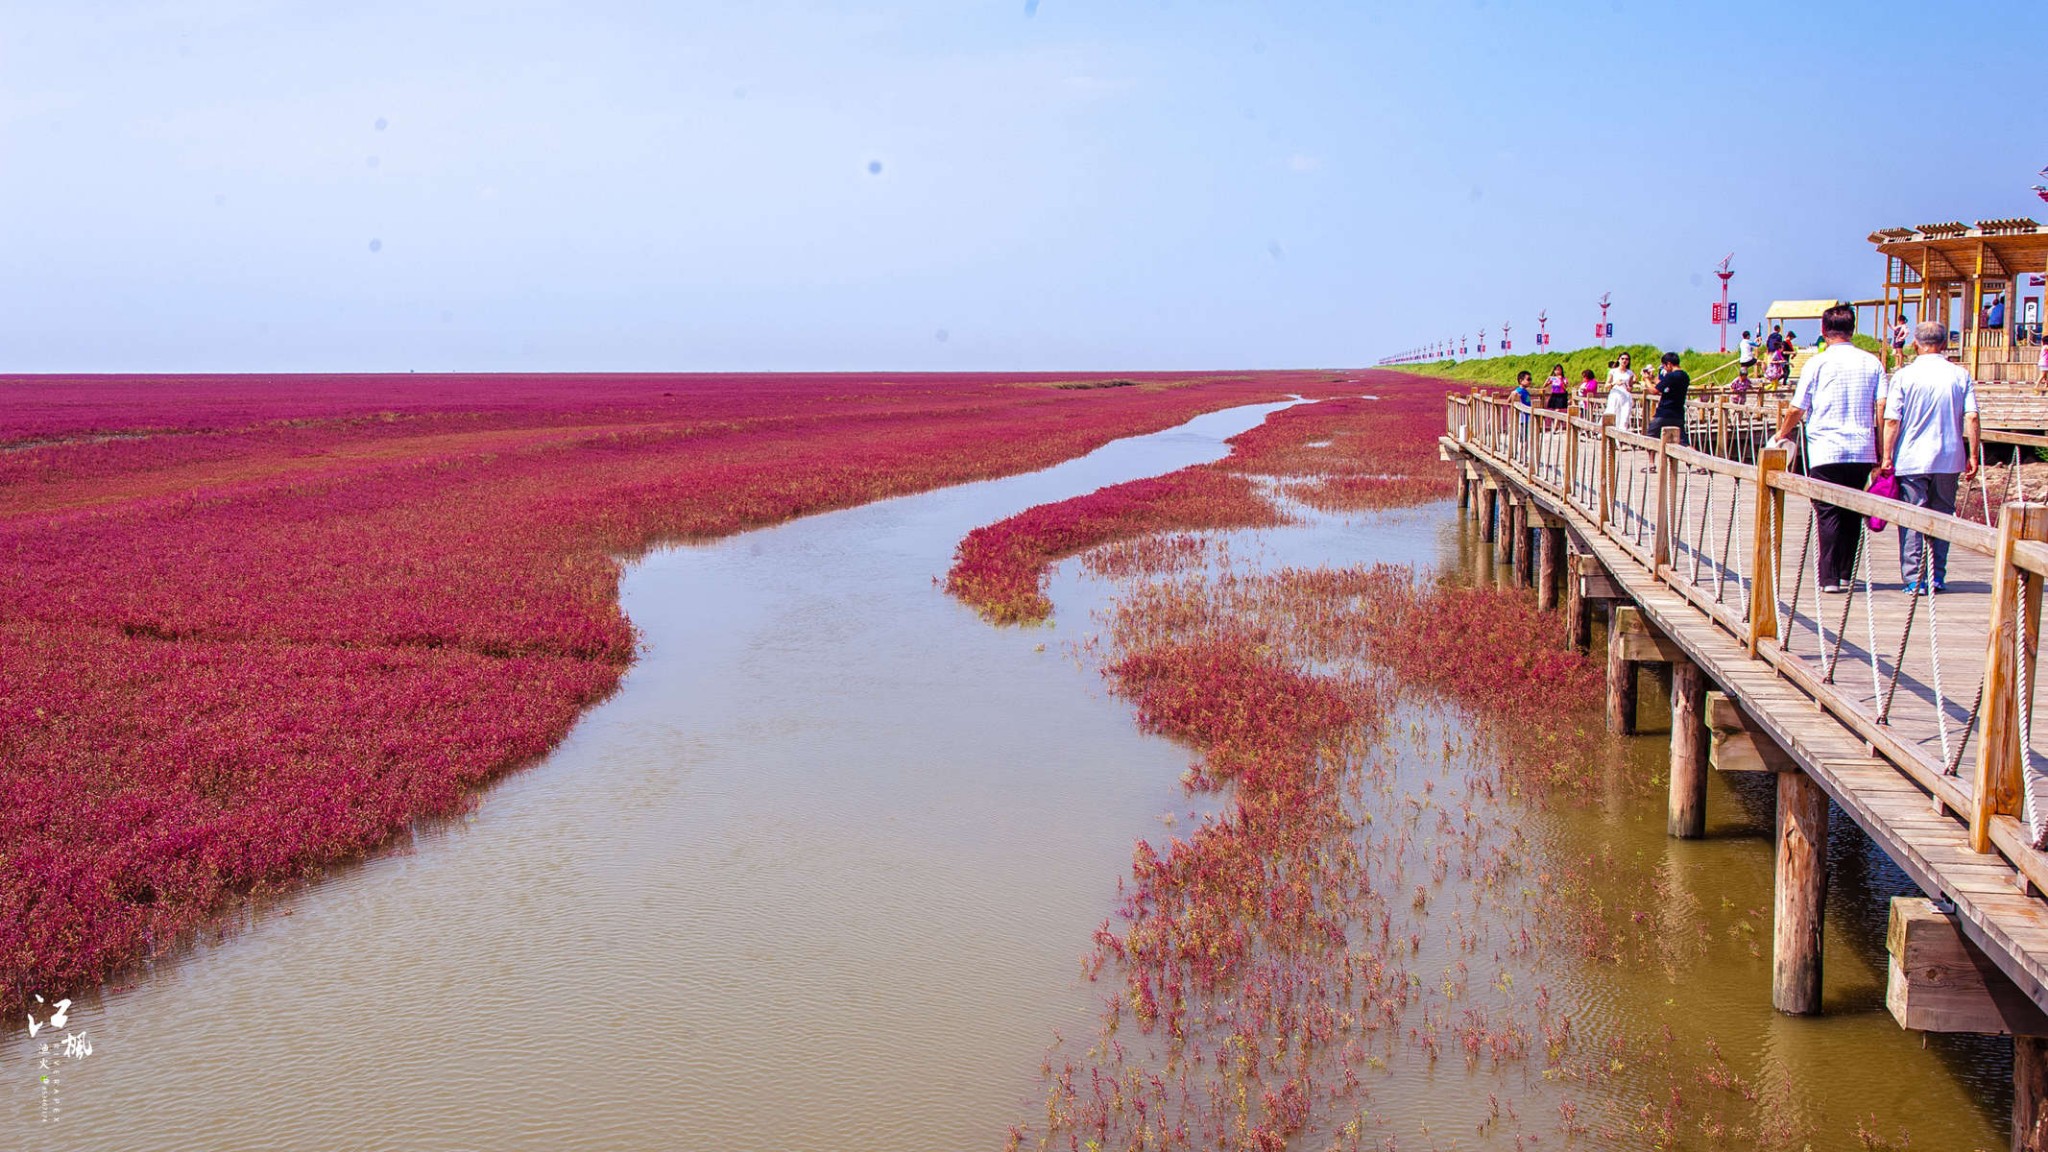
[1886, 485]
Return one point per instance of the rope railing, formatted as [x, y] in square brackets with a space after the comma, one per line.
[1710, 512]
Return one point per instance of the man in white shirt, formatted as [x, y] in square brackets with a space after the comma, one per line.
[1748, 352]
[1837, 402]
[1931, 443]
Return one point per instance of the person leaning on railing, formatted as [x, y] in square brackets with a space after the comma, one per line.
[1837, 402]
[1931, 443]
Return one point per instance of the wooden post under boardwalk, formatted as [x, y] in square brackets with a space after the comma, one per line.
[1489, 514]
[1621, 677]
[1578, 612]
[1549, 558]
[1802, 892]
[1687, 818]
[2030, 1093]
[1524, 570]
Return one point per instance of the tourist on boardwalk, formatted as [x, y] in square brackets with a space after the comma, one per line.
[1747, 352]
[1621, 372]
[1559, 396]
[1775, 341]
[1670, 389]
[1522, 394]
[1837, 402]
[1742, 386]
[1780, 365]
[1589, 393]
[1931, 444]
[1900, 333]
[1621, 402]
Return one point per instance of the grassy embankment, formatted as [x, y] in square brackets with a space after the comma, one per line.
[1499, 371]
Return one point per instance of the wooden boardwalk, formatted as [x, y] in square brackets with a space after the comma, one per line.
[1912, 713]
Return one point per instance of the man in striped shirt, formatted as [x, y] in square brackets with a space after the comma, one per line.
[1837, 402]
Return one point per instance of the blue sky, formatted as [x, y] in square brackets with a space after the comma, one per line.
[770, 185]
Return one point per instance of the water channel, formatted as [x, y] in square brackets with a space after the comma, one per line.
[820, 874]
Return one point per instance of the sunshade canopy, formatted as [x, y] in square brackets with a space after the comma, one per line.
[1799, 309]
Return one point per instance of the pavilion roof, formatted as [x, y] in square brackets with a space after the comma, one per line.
[1949, 252]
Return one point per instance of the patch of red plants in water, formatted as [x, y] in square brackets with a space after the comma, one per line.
[1340, 915]
[256, 625]
[1002, 569]
[1362, 453]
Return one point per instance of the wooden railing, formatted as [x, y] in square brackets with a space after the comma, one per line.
[1720, 520]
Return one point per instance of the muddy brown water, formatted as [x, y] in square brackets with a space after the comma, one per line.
[820, 875]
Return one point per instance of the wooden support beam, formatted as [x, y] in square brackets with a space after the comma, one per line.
[1940, 982]
[1640, 641]
[1549, 558]
[1748, 752]
[1489, 515]
[1621, 677]
[1464, 493]
[1687, 815]
[1800, 900]
[1595, 584]
[1738, 744]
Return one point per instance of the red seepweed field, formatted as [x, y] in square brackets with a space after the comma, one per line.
[257, 625]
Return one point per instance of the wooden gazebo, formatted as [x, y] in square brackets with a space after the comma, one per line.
[1947, 273]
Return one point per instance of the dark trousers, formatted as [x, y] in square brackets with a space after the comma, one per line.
[1935, 490]
[1840, 531]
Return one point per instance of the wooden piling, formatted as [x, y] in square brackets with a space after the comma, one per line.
[1621, 678]
[1525, 568]
[1578, 615]
[1464, 494]
[2030, 1093]
[1549, 559]
[1489, 516]
[1801, 897]
[1687, 818]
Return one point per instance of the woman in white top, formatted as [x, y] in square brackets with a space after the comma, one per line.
[1621, 381]
[1621, 403]
[1621, 373]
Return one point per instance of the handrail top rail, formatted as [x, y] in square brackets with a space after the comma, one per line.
[2031, 555]
[1940, 525]
[1635, 439]
[1708, 462]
